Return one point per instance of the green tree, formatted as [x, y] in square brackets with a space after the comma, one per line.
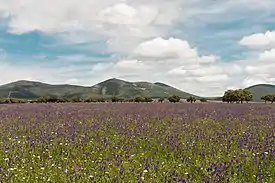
[76, 99]
[101, 99]
[203, 100]
[115, 99]
[131, 100]
[248, 96]
[191, 99]
[173, 98]
[228, 96]
[148, 99]
[139, 99]
[41, 100]
[269, 98]
[264, 98]
[161, 100]
[238, 96]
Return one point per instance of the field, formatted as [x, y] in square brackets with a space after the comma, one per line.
[139, 143]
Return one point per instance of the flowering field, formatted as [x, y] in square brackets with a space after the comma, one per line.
[137, 143]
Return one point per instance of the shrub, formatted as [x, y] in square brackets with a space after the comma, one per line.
[174, 98]
[203, 100]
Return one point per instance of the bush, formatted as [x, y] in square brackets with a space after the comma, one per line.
[101, 99]
[139, 99]
[191, 99]
[174, 98]
[116, 99]
[203, 100]
[161, 100]
[148, 99]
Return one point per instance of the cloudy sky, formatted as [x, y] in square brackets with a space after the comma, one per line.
[200, 46]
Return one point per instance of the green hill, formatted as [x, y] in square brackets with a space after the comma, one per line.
[260, 90]
[112, 87]
[257, 90]
[31, 90]
[125, 89]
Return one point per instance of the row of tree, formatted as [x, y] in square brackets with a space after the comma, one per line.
[269, 98]
[53, 99]
[230, 96]
[239, 96]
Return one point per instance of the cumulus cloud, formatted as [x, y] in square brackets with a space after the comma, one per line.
[259, 40]
[159, 48]
[170, 49]
[259, 70]
[114, 20]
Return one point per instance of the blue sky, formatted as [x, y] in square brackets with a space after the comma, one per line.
[200, 46]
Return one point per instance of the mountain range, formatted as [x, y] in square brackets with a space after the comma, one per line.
[112, 87]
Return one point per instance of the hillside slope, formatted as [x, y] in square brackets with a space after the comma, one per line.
[125, 89]
[31, 90]
[112, 87]
[260, 90]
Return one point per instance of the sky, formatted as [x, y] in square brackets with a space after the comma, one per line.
[200, 46]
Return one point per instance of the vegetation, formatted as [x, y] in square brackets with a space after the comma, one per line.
[117, 99]
[238, 96]
[203, 100]
[137, 143]
[269, 98]
[161, 100]
[191, 99]
[124, 91]
[261, 90]
[230, 96]
[173, 98]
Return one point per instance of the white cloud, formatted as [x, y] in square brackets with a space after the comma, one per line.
[173, 49]
[124, 14]
[122, 23]
[267, 56]
[159, 48]
[259, 70]
[213, 78]
[259, 40]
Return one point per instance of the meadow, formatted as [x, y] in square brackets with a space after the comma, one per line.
[137, 142]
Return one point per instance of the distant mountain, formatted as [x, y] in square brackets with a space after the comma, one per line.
[113, 87]
[260, 90]
[126, 89]
[31, 90]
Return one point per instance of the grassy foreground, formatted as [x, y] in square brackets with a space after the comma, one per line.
[137, 143]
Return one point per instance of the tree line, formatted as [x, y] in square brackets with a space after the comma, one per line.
[240, 96]
[230, 96]
[269, 98]
[115, 99]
